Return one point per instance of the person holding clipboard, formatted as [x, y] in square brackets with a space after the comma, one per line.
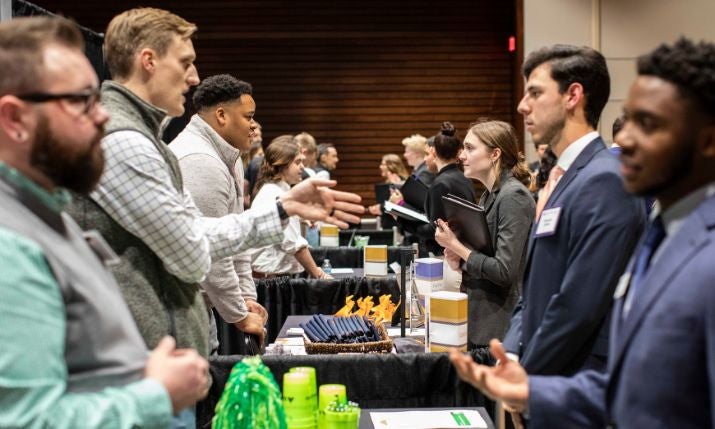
[490, 154]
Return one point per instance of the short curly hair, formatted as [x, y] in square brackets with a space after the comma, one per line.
[688, 65]
[220, 88]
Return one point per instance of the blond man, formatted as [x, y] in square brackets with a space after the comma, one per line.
[416, 150]
[141, 206]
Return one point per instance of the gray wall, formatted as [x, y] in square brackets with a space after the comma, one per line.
[620, 29]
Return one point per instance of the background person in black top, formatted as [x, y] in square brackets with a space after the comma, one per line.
[449, 180]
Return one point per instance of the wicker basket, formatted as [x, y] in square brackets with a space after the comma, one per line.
[382, 346]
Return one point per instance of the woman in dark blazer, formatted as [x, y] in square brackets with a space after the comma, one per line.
[491, 155]
[444, 150]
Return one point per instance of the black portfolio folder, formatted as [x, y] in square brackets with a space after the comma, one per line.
[469, 223]
[382, 192]
[414, 193]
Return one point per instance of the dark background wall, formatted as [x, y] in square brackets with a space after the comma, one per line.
[362, 75]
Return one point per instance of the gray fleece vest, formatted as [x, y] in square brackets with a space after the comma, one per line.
[102, 345]
[161, 303]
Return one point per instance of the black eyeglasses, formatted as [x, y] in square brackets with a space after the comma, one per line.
[80, 103]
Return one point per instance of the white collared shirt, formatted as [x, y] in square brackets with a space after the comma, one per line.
[574, 150]
[278, 258]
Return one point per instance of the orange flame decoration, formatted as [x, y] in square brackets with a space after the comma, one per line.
[366, 307]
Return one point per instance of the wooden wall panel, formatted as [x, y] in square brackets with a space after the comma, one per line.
[362, 75]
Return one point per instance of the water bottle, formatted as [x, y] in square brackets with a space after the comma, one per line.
[327, 268]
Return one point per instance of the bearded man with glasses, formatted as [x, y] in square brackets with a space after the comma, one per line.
[71, 354]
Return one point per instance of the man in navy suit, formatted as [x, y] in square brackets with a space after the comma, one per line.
[661, 367]
[586, 225]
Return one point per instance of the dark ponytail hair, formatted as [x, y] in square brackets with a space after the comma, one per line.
[446, 144]
[501, 135]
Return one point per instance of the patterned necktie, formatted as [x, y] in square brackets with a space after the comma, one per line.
[554, 176]
[654, 236]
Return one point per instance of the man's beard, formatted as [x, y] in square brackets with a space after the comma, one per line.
[59, 160]
[553, 134]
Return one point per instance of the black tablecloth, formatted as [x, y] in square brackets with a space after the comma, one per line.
[372, 380]
[385, 236]
[286, 296]
[283, 296]
[351, 257]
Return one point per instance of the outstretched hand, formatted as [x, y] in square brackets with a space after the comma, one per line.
[313, 200]
[507, 381]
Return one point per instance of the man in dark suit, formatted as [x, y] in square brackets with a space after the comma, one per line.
[661, 369]
[540, 153]
[573, 265]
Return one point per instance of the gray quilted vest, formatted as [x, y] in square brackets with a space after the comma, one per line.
[161, 303]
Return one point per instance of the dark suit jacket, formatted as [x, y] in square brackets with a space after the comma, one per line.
[492, 283]
[559, 325]
[251, 173]
[449, 180]
[661, 369]
[320, 167]
[423, 174]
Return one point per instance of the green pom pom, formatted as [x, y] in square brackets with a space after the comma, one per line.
[251, 399]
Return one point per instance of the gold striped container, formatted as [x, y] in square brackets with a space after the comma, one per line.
[329, 236]
[375, 258]
[447, 321]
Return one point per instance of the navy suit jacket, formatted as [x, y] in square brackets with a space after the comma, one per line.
[661, 369]
[570, 276]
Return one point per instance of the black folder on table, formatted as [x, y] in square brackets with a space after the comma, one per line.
[414, 193]
[469, 223]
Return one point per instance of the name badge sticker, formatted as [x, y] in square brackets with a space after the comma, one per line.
[548, 222]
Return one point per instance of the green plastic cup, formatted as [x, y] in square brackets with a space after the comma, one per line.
[297, 399]
[341, 420]
[300, 422]
[360, 241]
[328, 393]
[312, 380]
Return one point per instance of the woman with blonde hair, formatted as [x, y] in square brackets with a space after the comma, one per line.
[415, 153]
[491, 155]
[392, 169]
[282, 167]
